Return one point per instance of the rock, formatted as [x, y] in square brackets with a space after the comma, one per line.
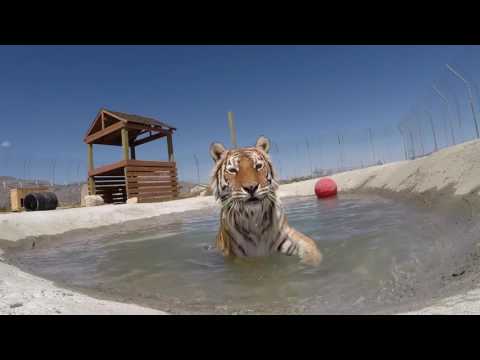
[198, 188]
[207, 192]
[133, 200]
[93, 200]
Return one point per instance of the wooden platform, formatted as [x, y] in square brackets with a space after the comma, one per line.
[149, 181]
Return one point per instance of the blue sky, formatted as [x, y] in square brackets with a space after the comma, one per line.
[50, 94]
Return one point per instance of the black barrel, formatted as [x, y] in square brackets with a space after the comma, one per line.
[40, 201]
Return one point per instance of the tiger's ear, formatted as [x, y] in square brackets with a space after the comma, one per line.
[263, 143]
[216, 151]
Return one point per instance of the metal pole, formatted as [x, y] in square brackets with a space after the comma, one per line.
[470, 96]
[420, 132]
[433, 130]
[295, 167]
[198, 168]
[275, 145]
[459, 116]
[233, 133]
[320, 154]
[340, 152]
[309, 157]
[24, 169]
[448, 111]
[403, 142]
[53, 172]
[412, 142]
[421, 138]
[371, 142]
[78, 172]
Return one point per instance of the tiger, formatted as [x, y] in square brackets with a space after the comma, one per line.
[252, 219]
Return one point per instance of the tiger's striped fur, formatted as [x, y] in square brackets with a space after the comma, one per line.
[252, 219]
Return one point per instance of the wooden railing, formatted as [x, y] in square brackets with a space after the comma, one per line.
[111, 188]
[151, 181]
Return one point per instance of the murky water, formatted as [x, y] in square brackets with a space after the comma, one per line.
[377, 253]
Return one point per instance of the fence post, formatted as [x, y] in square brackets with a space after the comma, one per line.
[309, 157]
[433, 130]
[371, 142]
[198, 168]
[470, 97]
[233, 133]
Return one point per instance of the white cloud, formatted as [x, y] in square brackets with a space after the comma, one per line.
[6, 144]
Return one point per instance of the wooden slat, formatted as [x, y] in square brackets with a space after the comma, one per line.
[148, 190]
[109, 191]
[107, 168]
[112, 180]
[163, 165]
[144, 174]
[148, 169]
[109, 177]
[151, 190]
[145, 127]
[146, 185]
[150, 138]
[151, 163]
[156, 193]
[150, 183]
[108, 130]
[111, 184]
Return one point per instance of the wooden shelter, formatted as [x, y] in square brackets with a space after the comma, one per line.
[149, 181]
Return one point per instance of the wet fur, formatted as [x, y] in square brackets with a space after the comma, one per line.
[254, 228]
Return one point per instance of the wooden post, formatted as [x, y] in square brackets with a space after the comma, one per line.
[133, 156]
[125, 143]
[91, 182]
[233, 133]
[90, 157]
[170, 148]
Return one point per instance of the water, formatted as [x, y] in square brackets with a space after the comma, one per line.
[377, 253]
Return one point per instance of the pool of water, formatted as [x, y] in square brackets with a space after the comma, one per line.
[378, 253]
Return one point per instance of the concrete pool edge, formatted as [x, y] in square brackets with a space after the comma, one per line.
[25, 294]
[453, 172]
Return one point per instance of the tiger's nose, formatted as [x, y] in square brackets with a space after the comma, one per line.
[251, 189]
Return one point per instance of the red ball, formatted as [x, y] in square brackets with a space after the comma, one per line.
[325, 188]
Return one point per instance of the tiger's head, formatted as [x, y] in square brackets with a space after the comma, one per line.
[243, 176]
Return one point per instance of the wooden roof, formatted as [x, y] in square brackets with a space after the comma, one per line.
[106, 128]
[141, 119]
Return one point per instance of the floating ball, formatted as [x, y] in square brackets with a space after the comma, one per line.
[325, 188]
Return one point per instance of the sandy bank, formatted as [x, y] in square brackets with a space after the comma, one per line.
[24, 294]
[453, 171]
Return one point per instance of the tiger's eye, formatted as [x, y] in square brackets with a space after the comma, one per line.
[259, 166]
